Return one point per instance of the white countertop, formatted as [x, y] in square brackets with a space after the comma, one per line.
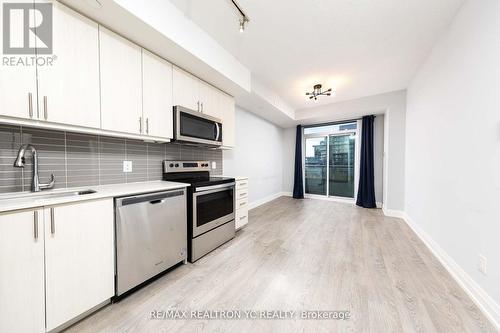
[28, 200]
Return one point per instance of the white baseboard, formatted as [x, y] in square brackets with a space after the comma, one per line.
[486, 304]
[394, 213]
[262, 201]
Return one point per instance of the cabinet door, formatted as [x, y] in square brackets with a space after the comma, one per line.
[69, 89]
[17, 81]
[210, 100]
[157, 95]
[79, 259]
[228, 120]
[186, 89]
[121, 84]
[22, 306]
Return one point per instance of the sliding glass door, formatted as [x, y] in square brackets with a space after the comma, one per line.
[315, 165]
[341, 165]
[331, 160]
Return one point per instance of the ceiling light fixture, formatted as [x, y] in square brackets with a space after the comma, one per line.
[317, 92]
[244, 18]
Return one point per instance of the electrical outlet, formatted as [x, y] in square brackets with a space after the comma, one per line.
[214, 165]
[127, 166]
[483, 263]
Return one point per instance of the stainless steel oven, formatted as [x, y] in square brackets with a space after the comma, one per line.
[212, 206]
[197, 128]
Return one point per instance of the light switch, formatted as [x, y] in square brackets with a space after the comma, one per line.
[214, 165]
[127, 166]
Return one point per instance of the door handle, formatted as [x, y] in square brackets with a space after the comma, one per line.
[198, 106]
[30, 104]
[45, 110]
[35, 224]
[52, 221]
[147, 125]
[140, 125]
[201, 107]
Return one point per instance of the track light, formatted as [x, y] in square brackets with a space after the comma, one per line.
[242, 23]
[244, 18]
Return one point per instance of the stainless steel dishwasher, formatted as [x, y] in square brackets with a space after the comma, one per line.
[151, 236]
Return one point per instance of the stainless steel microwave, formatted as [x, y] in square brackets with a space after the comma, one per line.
[196, 128]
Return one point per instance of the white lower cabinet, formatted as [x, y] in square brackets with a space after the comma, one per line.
[79, 267]
[22, 306]
[75, 243]
[241, 212]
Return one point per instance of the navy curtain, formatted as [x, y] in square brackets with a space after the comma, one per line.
[366, 190]
[298, 185]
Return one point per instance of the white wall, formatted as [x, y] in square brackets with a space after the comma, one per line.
[258, 155]
[289, 135]
[378, 156]
[453, 148]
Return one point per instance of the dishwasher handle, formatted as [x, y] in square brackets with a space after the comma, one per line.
[154, 202]
[152, 198]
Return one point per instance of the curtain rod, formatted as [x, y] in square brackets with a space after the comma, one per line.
[333, 123]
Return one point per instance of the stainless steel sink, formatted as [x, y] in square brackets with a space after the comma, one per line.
[47, 195]
[68, 194]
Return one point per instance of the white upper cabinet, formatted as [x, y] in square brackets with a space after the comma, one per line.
[22, 295]
[17, 82]
[157, 95]
[69, 89]
[121, 84]
[186, 90]
[79, 264]
[210, 100]
[227, 107]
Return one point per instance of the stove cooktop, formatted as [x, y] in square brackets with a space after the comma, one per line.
[195, 173]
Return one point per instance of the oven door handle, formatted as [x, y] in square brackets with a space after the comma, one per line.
[220, 187]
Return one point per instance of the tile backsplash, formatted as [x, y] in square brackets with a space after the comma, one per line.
[88, 160]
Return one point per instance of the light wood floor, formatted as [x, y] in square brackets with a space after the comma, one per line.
[306, 255]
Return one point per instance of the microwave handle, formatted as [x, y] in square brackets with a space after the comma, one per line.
[218, 131]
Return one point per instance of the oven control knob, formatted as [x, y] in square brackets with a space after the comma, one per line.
[176, 165]
[171, 165]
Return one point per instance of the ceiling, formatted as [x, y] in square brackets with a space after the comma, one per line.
[358, 47]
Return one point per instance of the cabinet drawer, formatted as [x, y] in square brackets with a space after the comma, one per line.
[241, 217]
[242, 193]
[242, 184]
[242, 203]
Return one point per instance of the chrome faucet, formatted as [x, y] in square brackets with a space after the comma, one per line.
[21, 161]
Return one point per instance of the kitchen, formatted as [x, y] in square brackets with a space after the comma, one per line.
[160, 172]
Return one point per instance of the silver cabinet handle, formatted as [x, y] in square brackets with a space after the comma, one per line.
[45, 110]
[202, 107]
[147, 125]
[243, 217]
[30, 104]
[243, 204]
[52, 221]
[198, 106]
[242, 194]
[35, 224]
[242, 184]
[140, 124]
